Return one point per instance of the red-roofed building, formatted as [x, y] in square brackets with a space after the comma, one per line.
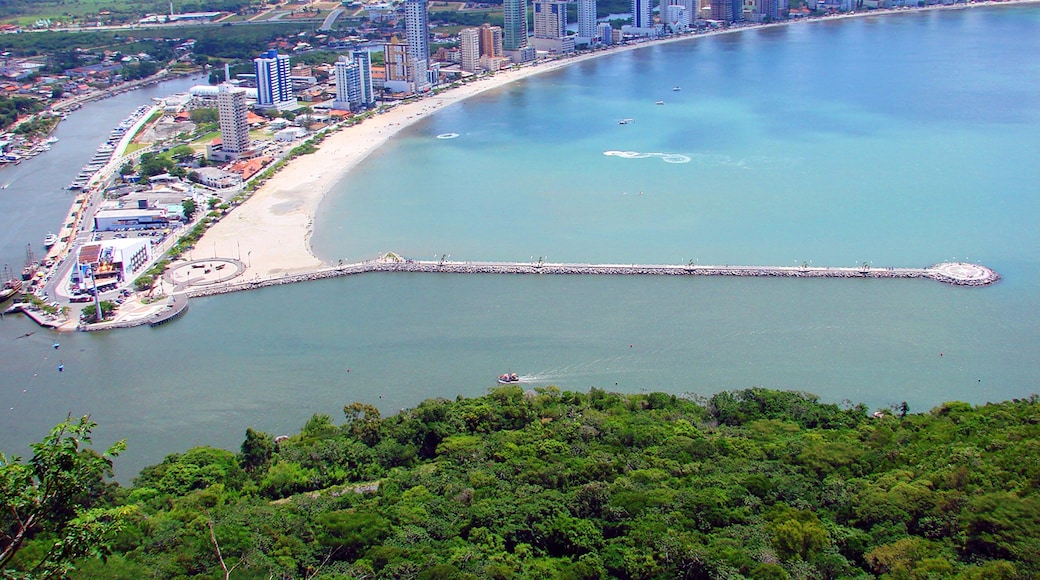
[247, 168]
[254, 119]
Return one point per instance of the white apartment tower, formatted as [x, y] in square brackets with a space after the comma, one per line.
[363, 59]
[469, 49]
[348, 85]
[273, 86]
[231, 114]
[417, 31]
[587, 19]
[642, 14]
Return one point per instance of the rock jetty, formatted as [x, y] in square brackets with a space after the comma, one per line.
[955, 273]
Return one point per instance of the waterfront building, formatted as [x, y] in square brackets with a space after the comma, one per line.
[348, 85]
[642, 14]
[363, 59]
[550, 19]
[726, 10]
[273, 85]
[605, 33]
[587, 19]
[550, 27]
[469, 49]
[490, 41]
[514, 30]
[232, 116]
[110, 262]
[417, 32]
[398, 67]
[674, 15]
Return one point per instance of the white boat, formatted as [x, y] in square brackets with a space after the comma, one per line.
[660, 102]
[49, 240]
[625, 121]
[508, 379]
[676, 88]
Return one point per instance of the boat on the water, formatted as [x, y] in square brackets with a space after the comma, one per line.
[625, 121]
[11, 285]
[508, 378]
[660, 102]
[49, 240]
[676, 88]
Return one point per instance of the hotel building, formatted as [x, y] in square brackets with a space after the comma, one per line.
[273, 85]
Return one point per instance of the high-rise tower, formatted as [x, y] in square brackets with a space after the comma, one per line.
[231, 115]
[417, 31]
[514, 24]
[587, 18]
[550, 19]
[469, 49]
[642, 14]
[273, 87]
[363, 59]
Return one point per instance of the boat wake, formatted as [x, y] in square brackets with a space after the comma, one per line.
[447, 135]
[666, 157]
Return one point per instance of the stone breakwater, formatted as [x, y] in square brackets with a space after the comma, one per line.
[955, 273]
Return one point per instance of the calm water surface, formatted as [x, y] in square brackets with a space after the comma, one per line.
[902, 140]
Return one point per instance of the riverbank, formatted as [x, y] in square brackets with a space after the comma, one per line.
[270, 232]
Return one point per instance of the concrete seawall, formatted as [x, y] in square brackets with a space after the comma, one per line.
[955, 273]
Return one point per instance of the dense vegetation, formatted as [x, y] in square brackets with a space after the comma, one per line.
[549, 484]
[13, 107]
[111, 11]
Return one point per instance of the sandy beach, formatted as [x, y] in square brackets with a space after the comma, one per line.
[270, 232]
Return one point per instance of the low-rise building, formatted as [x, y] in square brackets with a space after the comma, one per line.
[120, 219]
[110, 263]
[218, 178]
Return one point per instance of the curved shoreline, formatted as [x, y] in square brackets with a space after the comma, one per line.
[271, 230]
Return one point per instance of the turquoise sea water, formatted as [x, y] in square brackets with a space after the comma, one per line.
[900, 140]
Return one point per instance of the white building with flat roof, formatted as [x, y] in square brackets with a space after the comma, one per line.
[469, 49]
[231, 114]
[122, 219]
[587, 19]
[273, 85]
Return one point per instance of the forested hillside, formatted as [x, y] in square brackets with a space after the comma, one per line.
[547, 484]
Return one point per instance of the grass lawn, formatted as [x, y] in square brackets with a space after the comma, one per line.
[134, 147]
[446, 6]
[205, 139]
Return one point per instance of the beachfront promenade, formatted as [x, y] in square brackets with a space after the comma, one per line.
[955, 273]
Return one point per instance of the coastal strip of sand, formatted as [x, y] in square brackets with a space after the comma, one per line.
[270, 232]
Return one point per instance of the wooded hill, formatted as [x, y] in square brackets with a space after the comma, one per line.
[548, 484]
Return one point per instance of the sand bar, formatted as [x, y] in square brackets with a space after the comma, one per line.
[270, 232]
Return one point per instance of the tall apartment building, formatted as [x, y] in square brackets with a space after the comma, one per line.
[514, 25]
[348, 85]
[490, 41]
[550, 19]
[398, 66]
[469, 49]
[273, 86]
[587, 19]
[417, 31]
[726, 10]
[642, 14]
[363, 59]
[231, 116]
[674, 14]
